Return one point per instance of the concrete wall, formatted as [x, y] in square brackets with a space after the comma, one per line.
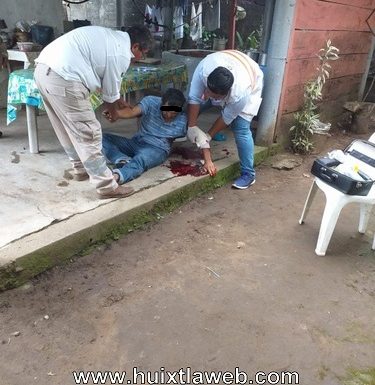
[13, 10]
[99, 12]
[47, 14]
[108, 13]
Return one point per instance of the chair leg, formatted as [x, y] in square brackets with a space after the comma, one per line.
[364, 217]
[309, 199]
[331, 213]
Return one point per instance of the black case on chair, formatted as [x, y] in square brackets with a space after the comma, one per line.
[362, 151]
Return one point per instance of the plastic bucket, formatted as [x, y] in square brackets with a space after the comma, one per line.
[42, 34]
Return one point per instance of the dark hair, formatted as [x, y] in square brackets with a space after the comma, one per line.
[140, 34]
[220, 80]
[173, 97]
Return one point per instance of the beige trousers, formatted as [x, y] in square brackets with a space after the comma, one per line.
[73, 119]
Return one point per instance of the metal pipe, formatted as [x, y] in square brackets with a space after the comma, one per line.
[269, 7]
[367, 70]
[277, 54]
[232, 24]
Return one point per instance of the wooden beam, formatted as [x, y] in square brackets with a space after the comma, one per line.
[308, 43]
[327, 16]
[232, 24]
[334, 89]
[300, 71]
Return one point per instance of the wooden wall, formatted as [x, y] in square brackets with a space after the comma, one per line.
[345, 22]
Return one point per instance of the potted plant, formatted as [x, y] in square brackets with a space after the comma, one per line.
[307, 121]
[187, 41]
[207, 38]
[250, 44]
[220, 39]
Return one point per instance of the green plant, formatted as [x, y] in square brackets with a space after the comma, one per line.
[220, 33]
[251, 42]
[307, 120]
[207, 37]
[186, 28]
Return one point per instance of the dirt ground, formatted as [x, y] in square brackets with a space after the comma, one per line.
[229, 280]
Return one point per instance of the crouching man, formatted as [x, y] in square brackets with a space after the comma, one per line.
[233, 81]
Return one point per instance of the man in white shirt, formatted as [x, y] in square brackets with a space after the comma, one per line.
[84, 60]
[233, 81]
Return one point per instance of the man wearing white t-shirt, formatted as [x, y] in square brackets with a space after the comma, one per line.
[85, 60]
[234, 81]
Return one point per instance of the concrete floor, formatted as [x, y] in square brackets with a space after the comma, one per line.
[38, 192]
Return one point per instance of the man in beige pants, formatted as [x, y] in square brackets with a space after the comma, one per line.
[84, 60]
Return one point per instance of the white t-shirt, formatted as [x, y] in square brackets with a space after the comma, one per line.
[96, 56]
[244, 97]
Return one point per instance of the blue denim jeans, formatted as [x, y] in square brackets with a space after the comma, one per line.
[245, 145]
[244, 141]
[140, 155]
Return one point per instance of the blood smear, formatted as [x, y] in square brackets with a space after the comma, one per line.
[180, 169]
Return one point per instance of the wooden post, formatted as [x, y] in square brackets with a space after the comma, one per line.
[232, 24]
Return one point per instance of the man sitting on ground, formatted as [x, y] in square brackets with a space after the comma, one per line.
[162, 121]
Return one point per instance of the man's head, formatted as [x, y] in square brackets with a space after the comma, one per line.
[141, 40]
[172, 102]
[219, 83]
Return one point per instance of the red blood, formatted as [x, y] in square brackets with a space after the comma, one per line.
[180, 168]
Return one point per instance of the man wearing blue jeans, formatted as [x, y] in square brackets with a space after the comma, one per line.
[162, 121]
[233, 81]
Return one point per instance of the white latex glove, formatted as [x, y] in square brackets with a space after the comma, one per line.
[197, 136]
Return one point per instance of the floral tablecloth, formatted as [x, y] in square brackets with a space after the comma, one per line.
[22, 88]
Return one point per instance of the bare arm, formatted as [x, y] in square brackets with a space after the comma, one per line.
[193, 112]
[123, 113]
[208, 163]
[130, 112]
[218, 126]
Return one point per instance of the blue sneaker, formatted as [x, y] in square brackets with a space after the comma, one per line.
[219, 137]
[244, 181]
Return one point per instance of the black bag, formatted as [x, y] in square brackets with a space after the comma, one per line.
[362, 151]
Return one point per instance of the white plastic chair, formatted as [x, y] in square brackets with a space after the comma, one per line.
[335, 201]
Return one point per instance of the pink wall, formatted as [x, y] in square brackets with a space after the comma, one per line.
[346, 23]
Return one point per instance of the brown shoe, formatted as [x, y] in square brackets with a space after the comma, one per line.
[120, 192]
[80, 177]
[116, 177]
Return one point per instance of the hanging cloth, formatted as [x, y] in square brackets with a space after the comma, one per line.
[185, 6]
[148, 16]
[196, 22]
[178, 22]
[158, 18]
[212, 15]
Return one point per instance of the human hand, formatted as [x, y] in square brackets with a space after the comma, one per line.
[110, 112]
[108, 115]
[210, 167]
[121, 103]
[111, 116]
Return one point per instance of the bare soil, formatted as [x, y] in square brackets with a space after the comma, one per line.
[229, 280]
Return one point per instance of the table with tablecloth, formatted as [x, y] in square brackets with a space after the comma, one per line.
[22, 90]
